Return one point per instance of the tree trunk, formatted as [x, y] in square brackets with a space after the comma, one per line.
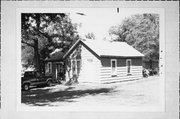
[36, 56]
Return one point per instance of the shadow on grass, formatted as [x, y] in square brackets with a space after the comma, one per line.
[42, 97]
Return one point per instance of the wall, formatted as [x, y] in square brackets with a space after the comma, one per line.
[105, 70]
[90, 65]
[90, 70]
[53, 69]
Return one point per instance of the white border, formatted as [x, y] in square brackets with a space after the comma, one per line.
[158, 108]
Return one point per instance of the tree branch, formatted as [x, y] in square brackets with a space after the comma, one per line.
[27, 43]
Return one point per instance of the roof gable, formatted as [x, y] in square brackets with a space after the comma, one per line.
[107, 49]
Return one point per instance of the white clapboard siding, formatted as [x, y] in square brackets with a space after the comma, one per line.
[121, 78]
[95, 69]
[134, 68]
[90, 67]
[105, 76]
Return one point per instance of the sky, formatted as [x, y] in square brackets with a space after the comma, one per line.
[99, 20]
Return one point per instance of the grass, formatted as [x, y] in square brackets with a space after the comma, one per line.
[42, 97]
[144, 91]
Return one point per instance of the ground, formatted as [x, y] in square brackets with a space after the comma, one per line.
[138, 92]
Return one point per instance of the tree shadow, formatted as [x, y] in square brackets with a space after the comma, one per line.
[43, 97]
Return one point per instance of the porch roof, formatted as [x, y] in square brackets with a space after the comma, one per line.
[57, 56]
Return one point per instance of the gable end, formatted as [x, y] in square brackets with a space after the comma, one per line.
[76, 45]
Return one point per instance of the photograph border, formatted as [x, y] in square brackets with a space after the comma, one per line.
[9, 60]
[157, 108]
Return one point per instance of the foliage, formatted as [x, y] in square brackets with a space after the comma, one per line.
[140, 31]
[90, 36]
[27, 56]
[42, 33]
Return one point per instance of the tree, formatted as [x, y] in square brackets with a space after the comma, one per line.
[90, 36]
[142, 32]
[42, 33]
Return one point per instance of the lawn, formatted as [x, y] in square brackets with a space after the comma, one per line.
[137, 92]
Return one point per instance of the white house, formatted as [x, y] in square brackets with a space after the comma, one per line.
[103, 61]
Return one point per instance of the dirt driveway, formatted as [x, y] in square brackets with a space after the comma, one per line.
[138, 92]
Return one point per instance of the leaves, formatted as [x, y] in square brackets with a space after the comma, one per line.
[142, 32]
[90, 36]
[52, 30]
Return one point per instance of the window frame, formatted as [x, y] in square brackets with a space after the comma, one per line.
[49, 65]
[113, 74]
[75, 64]
[129, 73]
[60, 67]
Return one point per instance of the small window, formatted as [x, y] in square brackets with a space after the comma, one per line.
[76, 65]
[128, 65]
[73, 67]
[60, 67]
[113, 67]
[49, 67]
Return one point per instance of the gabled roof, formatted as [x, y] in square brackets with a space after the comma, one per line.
[107, 49]
[56, 56]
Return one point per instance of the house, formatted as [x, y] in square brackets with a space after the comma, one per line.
[54, 65]
[103, 61]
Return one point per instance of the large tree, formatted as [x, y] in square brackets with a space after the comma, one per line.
[42, 33]
[142, 32]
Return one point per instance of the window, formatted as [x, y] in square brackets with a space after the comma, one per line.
[128, 65]
[76, 65]
[113, 67]
[49, 67]
[60, 67]
[73, 67]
